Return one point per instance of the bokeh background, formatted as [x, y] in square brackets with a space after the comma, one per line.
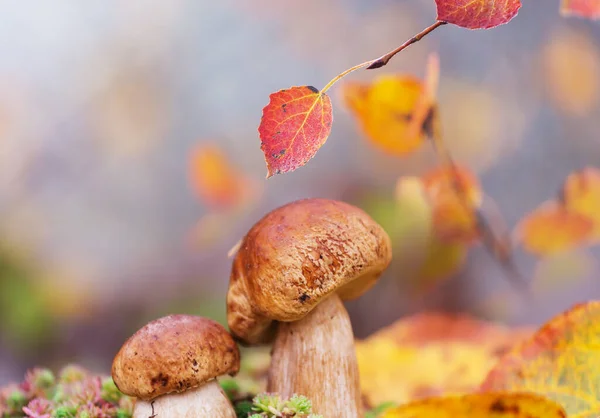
[101, 104]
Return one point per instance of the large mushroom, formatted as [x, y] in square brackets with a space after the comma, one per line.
[171, 365]
[289, 277]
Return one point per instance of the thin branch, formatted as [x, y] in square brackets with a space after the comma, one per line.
[499, 248]
[384, 59]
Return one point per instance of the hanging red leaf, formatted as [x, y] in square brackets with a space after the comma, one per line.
[581, 8]
[477, 14]
[294, 125]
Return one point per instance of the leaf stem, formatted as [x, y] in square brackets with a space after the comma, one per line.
[344, 74]
[384, 59]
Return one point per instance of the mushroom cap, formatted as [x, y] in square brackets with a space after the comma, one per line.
[173, 354]
[296, 256]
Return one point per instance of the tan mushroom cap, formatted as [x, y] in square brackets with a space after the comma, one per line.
[173, 354]
[297, 255]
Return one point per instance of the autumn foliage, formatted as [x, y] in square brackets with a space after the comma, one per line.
[436, 364]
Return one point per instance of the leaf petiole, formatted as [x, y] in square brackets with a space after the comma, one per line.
[384, 59]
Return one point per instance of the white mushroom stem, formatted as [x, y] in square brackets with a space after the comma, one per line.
[315, 357]
[206, 401]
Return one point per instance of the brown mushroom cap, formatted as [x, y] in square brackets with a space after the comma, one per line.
[173, 354]
[297, 255]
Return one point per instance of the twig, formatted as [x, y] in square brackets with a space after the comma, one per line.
[499, 249]
[384, 59]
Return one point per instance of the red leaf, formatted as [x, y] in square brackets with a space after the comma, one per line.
[581, 8]
[477, 14]
[294, 125]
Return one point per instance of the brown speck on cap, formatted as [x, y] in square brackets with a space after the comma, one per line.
[296, 256]
[173, 354]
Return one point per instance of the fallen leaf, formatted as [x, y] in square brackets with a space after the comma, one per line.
[477, 14]
[480, 405]
[430, 354]
[560, 361]
[551, 228]
[295, 124]
[581, 8]
[581, 194]
[384, 109]
[455, 194]
[213, 178]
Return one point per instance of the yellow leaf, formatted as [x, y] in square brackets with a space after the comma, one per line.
[384, 110]
[560, 361]
[480, 405]
[581, 194]
[429, 354]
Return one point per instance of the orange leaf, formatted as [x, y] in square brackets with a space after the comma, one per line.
[560, 361]
[480, 405]
[215, 181]
[455, 193]
[477, 14]
[295, 124]
[551, 228]
[430, 354]
[385, 109]
[581, 194]
[581, 8]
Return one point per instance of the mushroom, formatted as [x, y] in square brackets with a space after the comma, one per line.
[171, 364]
[289, 277]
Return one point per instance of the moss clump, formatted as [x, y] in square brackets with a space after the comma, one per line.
[73, 393]
[269, 405]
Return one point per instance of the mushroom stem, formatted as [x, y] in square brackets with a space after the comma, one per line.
[206, 401]
[315, 357]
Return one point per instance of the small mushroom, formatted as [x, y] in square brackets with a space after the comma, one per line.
[292, 271]
[171, 364]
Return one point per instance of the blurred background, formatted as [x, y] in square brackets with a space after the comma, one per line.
[103, 103]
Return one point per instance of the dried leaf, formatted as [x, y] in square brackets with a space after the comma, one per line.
[552, 228]
[295, 124]
[480, 405]
[560, 361]
[430, 354]
[384, 109]
[581, 8]
[477, 14]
